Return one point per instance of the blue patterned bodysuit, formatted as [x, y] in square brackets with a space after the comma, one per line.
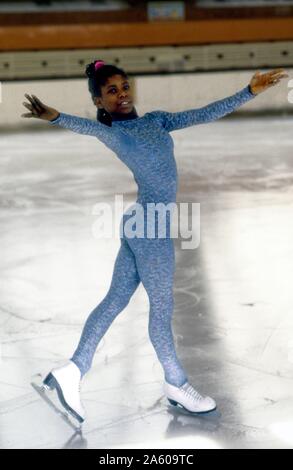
[145, 146]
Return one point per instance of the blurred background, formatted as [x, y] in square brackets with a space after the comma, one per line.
[214, 44]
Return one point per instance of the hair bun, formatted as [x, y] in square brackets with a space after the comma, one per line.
[98, 64]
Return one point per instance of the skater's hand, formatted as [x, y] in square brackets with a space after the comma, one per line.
[261, 82]
[38, 109]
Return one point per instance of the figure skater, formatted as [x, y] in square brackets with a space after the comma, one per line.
[143, 143]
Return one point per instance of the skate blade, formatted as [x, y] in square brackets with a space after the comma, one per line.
[50, 383]
[196, 413]
[43, 391]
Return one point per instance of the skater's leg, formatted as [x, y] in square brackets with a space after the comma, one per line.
[155, 261]
[124, 282]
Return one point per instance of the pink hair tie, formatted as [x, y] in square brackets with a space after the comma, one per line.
[99, 64]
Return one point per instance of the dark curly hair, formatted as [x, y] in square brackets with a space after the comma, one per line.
[98, 78]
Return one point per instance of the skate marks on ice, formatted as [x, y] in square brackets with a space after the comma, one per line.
[47, 395]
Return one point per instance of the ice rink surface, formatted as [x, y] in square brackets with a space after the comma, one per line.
[232, 322]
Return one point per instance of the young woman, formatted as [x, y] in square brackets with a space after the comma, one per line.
[143, 143]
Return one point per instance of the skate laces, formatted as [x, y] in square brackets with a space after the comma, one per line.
[188, 390]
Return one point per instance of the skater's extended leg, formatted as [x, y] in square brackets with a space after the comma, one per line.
[66, 379]
[155, 261]
[124, 282]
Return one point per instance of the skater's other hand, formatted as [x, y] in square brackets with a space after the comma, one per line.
[38, 109]
[261, 82]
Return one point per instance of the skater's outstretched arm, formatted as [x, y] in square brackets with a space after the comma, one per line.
[108, 135]
[218, 109]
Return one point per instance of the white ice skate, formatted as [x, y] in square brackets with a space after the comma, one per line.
[66, 381]
[188, 398]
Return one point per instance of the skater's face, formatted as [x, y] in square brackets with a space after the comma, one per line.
[116, 91]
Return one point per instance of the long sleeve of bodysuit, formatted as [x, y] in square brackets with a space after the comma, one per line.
[211, 112]
[110, 136]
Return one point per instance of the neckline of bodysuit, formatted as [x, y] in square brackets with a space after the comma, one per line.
[124, 117]
[128, 121]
